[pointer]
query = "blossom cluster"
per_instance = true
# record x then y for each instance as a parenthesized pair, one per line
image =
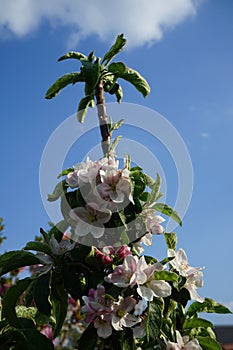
(103, 198)
(106, 202)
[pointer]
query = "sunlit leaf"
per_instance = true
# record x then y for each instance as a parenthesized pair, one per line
(83, 106)
(115, 49)
(165, 209)
(73, 54)
(171, 240)
(166, 276)
(154, 319)
(120, 70)
(91, 73)
(208, 343)
(63, 81)
(209, 306)
(197, 322)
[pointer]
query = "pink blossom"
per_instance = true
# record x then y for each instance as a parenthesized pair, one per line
(121, 316)
(193, 275)
(90, 220)
(115, 185)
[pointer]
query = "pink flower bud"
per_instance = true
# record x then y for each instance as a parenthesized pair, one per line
(123, 251)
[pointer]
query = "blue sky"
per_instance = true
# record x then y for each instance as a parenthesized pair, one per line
(184, 49)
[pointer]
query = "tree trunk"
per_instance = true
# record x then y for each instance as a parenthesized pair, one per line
(103, 119)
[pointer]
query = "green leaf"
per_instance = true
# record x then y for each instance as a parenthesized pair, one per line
(16, 259)
(117, 68)
(120, 70)
(59, 190)
(25, 312)
(165, 209)
(73, 54)
(127, 340)
(115, 49)
(209, 306)
(65, 172)
(10, 299)
(114, 143)
(38, 246)
(149, 181)
(119, 94)
(116, 125)
(12, 339)
(63, 81)
(171, 240)
(88, 338)
(166, 276)
(41, 294)
(75, 282)
(59, 298)
(208, 343)
(181, 296)
(36, 340)
(196, 322)
(154, 319)
(58, 230)
(91, 73)
(155, 192)
(82, 107)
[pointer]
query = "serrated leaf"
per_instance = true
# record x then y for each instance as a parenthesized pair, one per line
(171, 240)
(165, 209)
(63, 81)
(208, 343)
(59, 190)
(73, 54)
(41, 294)
(197, 322)
(38, 246)
(16, 259)
(83, 106)
(154, 319)
(115, 49)
(120, 70)
(209, 306)
(10, 299)
(166, 276)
